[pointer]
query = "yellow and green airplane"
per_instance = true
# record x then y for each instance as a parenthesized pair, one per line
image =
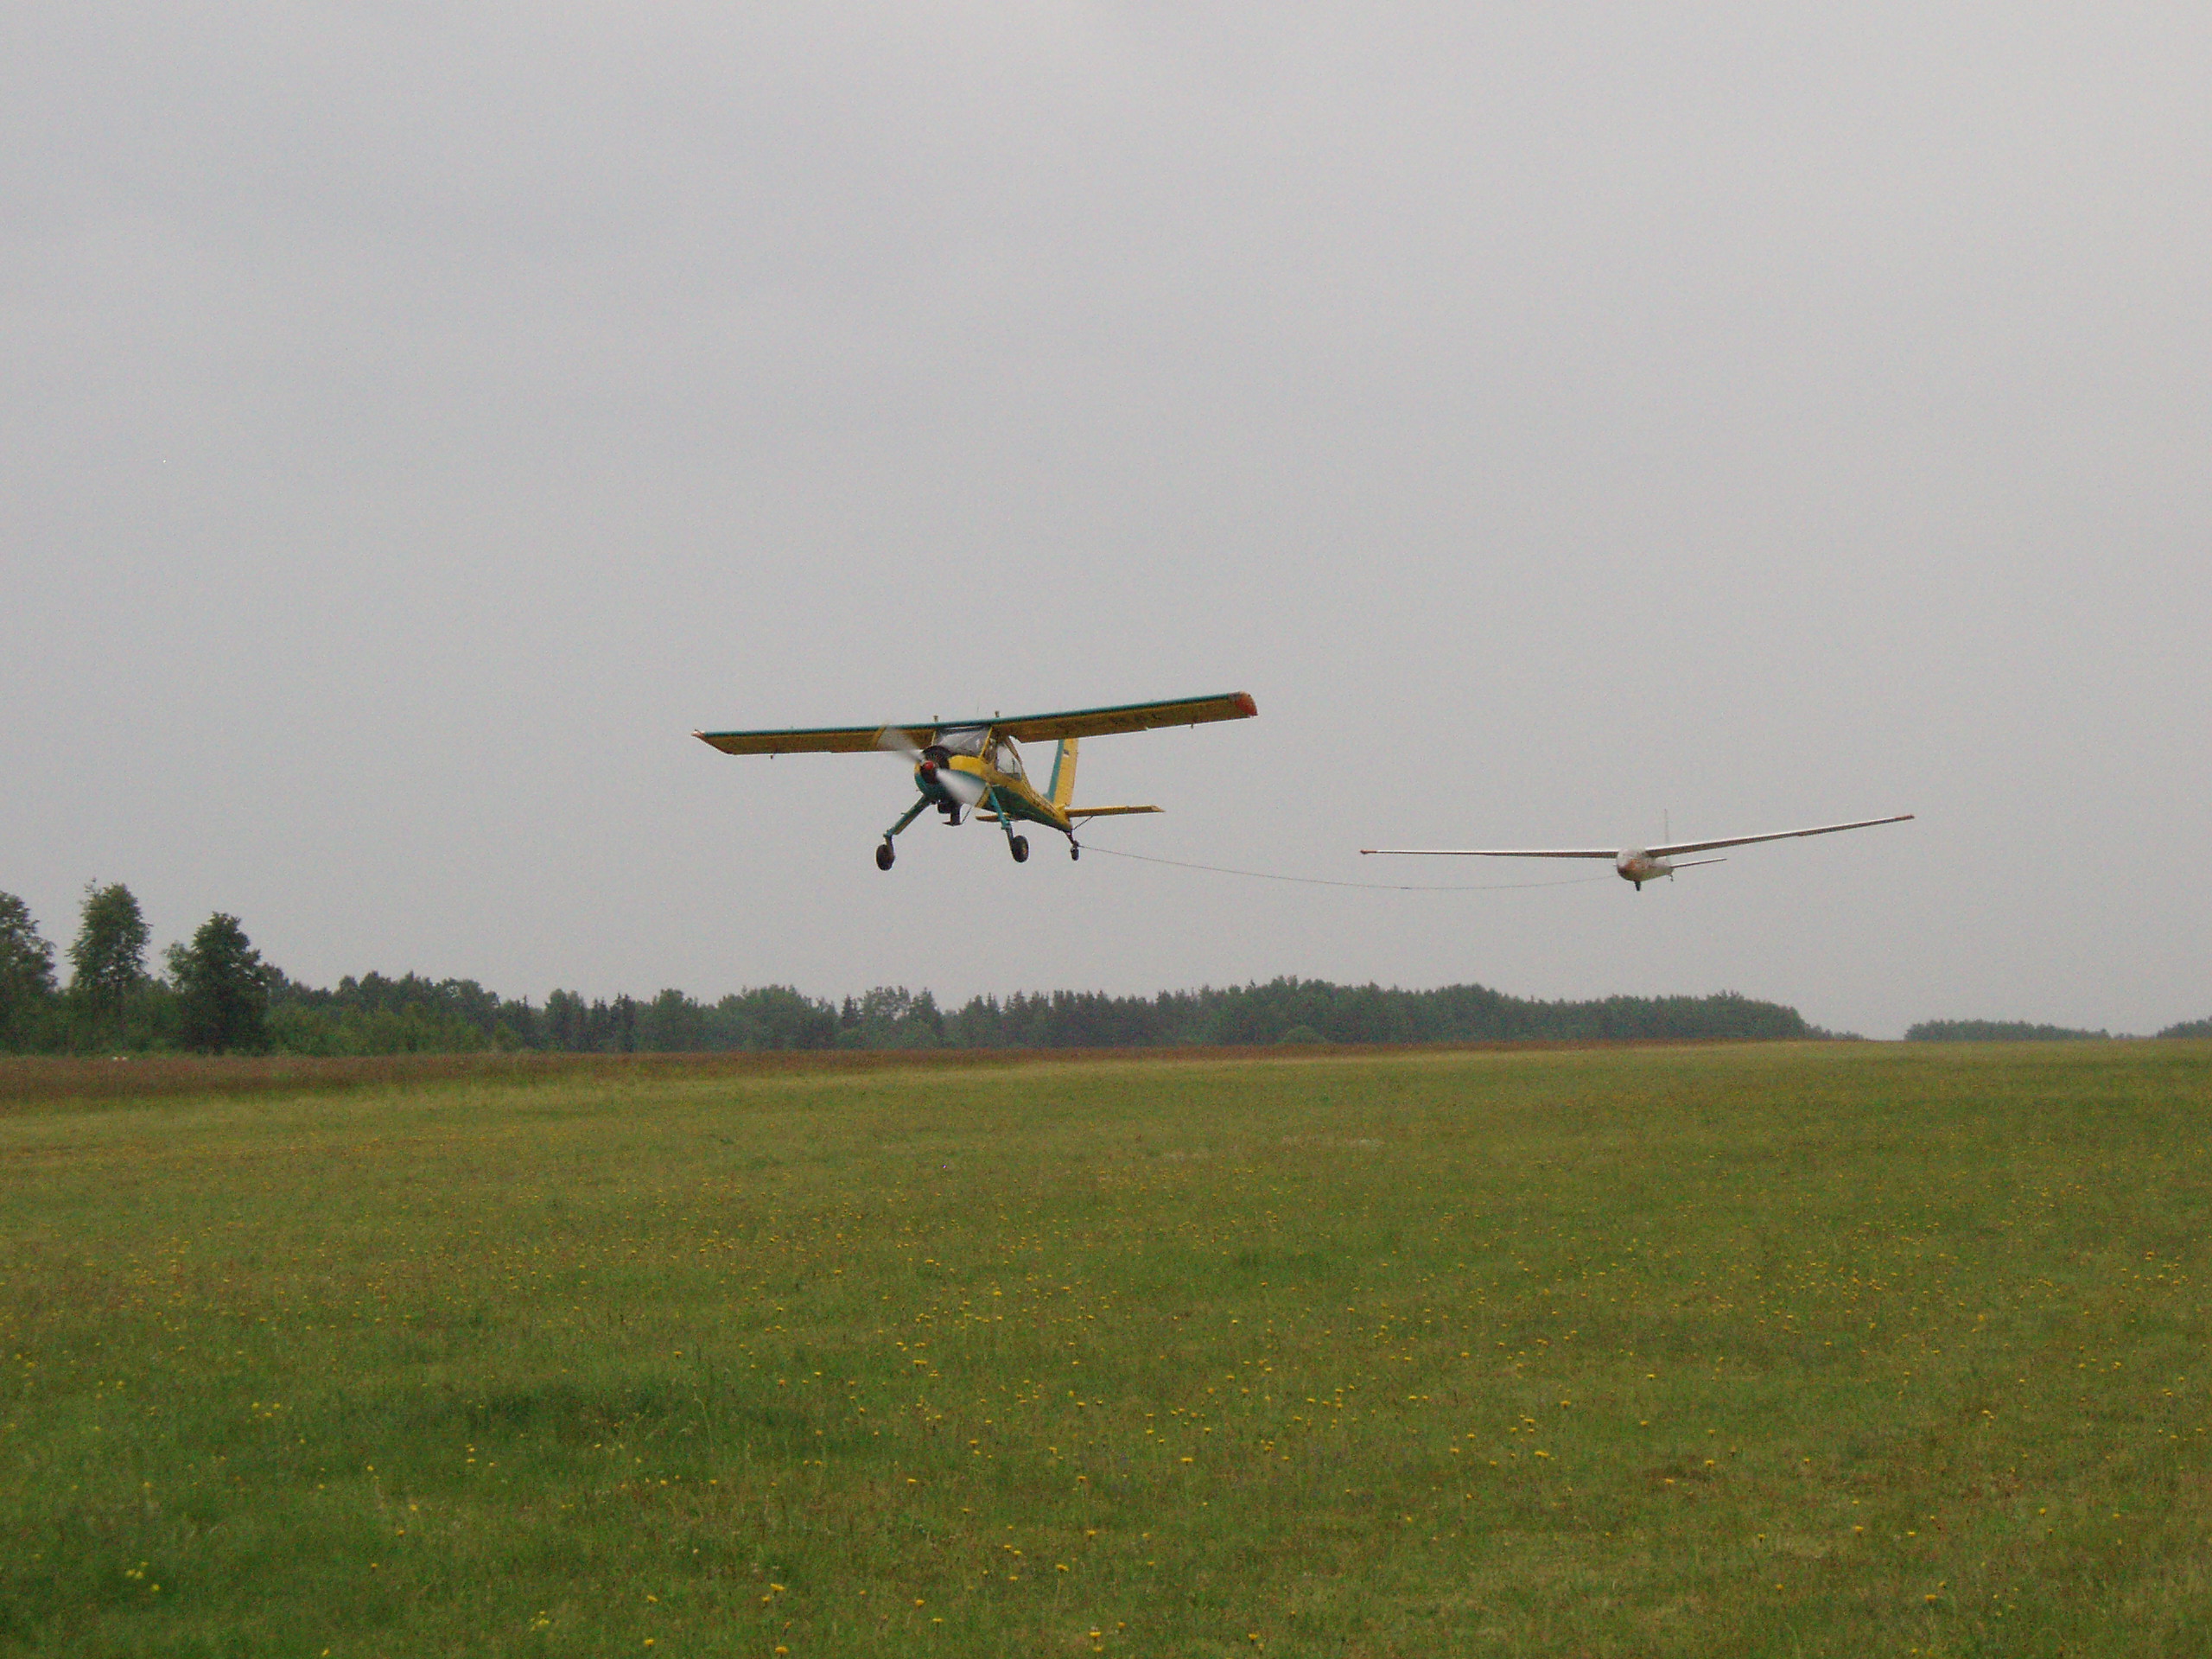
(974, 766)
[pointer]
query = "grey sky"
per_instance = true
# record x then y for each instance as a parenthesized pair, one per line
(415, 420)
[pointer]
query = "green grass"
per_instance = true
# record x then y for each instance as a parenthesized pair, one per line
(1821, 1349)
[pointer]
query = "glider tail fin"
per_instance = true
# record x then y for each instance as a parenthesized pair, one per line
(1062, 789)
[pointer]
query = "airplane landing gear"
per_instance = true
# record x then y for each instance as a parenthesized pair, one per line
(886, 854)
(1075, 850)
(1018, 846)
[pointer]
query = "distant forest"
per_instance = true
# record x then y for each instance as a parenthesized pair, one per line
(218, 995)
(2008, 1031)
(363, 1016)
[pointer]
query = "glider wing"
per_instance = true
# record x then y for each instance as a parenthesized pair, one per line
(1499, 852)
(1777, 835)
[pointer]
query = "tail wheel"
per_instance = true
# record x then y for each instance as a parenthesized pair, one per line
(1075, 850)
(885, 855)
(1019, 847)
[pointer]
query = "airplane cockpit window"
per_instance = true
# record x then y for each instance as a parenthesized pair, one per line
(962, 739)
(1007, 757)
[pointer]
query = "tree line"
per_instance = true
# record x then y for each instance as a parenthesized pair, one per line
(213, 999)
(2021, 1031)
(219, 997)
(2000, 1030)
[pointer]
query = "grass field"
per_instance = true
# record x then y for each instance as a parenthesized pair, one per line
(1820, 1349)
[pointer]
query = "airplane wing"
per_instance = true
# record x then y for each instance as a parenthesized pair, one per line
(1023, 729)
(1077, 812)
(810, 740)
(1499, 852)
(1125, 717)
(1776, 835)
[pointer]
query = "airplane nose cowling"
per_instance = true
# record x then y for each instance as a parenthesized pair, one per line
(941, 781)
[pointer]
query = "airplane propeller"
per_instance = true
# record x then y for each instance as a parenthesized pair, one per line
(893, 741)
(964, 787)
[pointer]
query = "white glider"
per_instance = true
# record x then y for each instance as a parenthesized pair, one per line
(1635, 864)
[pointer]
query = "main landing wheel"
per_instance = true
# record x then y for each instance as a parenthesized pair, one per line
(1019, 847)
(885, 857)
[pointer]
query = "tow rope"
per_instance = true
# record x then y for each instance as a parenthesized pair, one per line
(1324, 881)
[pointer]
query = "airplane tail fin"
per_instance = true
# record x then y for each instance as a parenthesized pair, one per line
(1062, 789)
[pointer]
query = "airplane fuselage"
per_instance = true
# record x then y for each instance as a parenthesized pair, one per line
(1004, 793)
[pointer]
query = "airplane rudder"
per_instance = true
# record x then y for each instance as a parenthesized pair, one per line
(1062, 790)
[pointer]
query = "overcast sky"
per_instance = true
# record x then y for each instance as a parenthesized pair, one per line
(415, 420)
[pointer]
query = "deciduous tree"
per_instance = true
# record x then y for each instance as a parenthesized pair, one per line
(222, 987)
(26, 975)
(109, 956)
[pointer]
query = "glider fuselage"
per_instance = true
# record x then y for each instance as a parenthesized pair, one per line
(1634, 864)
